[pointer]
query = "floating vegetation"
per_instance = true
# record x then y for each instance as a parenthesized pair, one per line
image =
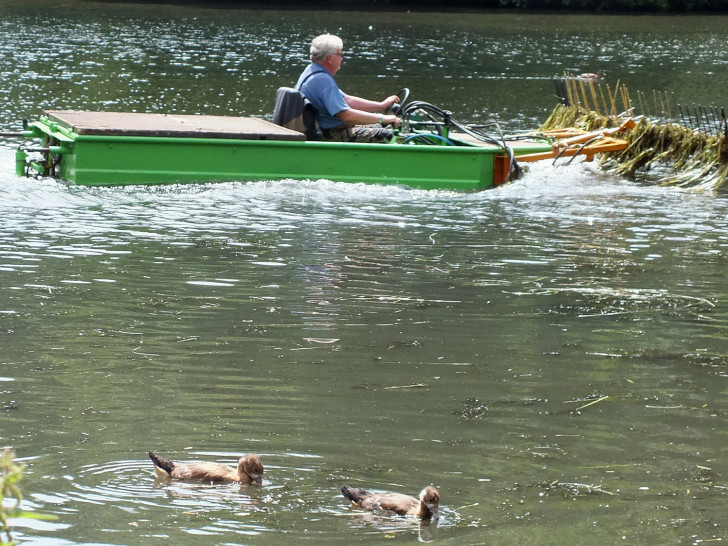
(571, 489)
(706, 359)
(584, 406)
(413, 386)
(586, 402)
(695, 156)
(475, 408)
(588, 302)
(694, 159)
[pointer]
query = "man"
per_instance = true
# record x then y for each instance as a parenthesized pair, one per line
(341, 116)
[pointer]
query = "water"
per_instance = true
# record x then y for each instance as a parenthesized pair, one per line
(549, 354)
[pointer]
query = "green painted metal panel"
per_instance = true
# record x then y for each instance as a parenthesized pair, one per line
(124, 160)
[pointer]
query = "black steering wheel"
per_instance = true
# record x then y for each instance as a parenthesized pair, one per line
(403, 97)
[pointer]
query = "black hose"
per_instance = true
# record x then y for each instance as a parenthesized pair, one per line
(514, 169)
(432, 113)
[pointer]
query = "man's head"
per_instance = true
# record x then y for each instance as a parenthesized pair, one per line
(326, 50)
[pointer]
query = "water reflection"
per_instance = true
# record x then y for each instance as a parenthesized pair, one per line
(391, 526)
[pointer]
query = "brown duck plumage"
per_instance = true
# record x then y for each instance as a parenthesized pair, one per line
(426, 506)
(249, 470)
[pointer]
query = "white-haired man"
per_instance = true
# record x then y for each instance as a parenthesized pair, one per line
(342, 117)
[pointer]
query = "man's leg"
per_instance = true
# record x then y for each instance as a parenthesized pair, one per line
(358, 133)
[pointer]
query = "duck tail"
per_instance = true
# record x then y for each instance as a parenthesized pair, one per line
(354, 495)
(161, 462)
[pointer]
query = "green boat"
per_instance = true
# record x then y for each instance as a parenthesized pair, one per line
(118, 149)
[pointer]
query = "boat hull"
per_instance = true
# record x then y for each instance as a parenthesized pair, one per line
(117, 158)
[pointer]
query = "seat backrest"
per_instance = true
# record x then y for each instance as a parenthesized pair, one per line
(294, 111)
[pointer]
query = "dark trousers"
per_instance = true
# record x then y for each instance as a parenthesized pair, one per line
(358, 133)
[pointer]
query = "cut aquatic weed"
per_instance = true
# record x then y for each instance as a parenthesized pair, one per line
(689, 152)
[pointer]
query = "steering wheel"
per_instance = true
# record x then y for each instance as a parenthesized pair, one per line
(403, 97)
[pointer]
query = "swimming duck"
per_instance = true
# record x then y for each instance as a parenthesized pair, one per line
(591, 76)
(250, 470)
(404, 505)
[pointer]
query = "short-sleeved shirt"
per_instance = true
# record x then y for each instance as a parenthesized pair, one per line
(324, 94)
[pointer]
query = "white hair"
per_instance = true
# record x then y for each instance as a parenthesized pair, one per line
(325, 45)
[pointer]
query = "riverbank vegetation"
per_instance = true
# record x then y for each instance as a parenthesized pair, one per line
(586, 6)
(11, 472)
(583, 6)
(606, 6)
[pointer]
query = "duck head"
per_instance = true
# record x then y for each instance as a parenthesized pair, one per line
(430, 497)
(250, 466)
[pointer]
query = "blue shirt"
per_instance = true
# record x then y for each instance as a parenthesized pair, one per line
(324, 94)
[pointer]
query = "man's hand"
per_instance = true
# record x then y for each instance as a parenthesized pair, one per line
(392, 120)
(389, 101)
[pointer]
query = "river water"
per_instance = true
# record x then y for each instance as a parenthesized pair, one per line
(550, 355)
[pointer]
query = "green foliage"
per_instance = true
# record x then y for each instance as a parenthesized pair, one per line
(645, 6)
(664, 6)
(10, 474)
(603, 6)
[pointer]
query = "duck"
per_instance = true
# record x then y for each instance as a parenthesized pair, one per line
(249, 470)
(426, 507)
(592, 76)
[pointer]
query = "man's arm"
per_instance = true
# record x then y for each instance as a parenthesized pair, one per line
(369, 105)
(353, 116)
